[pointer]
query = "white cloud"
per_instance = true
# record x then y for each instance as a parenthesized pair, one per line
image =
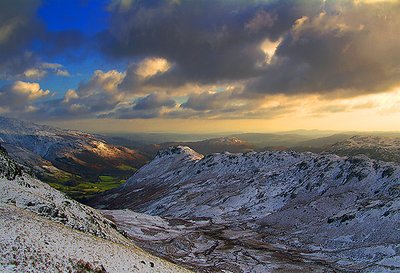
(35, 73)
(269, 48)
(70, 95)
(43, 69)
(21, 96)
(62, 72)
(150, 67)
(31, 90)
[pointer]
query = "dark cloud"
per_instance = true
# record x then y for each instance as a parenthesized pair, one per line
(344, 47)
(150, 106)
(18, 27)
(348, 50)
(26, 41)
(154, 101)
(208, 40)
(160, 105)
(334, 49)
(210, 101)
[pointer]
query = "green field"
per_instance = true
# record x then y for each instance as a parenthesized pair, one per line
(79, 189)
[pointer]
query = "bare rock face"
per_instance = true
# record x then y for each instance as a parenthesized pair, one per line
(267, 211)
(8, 168)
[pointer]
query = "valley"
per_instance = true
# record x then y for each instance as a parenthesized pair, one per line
(206, 136)
(241, 206)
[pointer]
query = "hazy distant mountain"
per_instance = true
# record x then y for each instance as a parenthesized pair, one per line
(272, 140)
(213, 145)
(260, 212)
(319, 144)
(376, 147)
(42, 230)
(155, 138)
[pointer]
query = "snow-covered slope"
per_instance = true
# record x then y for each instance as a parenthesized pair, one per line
(42, 230)
(44, 147)
(341, 213)
(376, 147)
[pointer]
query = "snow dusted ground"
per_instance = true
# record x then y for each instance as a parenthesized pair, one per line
(264, 212)
(376, 147)
(31, 243)
(208, 247)
(42, 230)
(52, 150)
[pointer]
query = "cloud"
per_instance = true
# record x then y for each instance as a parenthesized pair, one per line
(152, 66)
(31, 90)
(20, 96)
(140, 74)
(210, 101)
(214, 59)
(99, 93)
(260, 21)
(208, 41)
(43, 69)
(70, 95)
(151, 106)
(349, 49)
(18, 27)
(25, 41)
(276, 47)
(154, 101)
(34, 73)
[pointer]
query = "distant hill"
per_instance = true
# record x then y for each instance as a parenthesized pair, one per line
(270, 140)
(376, 147)
(213, 145)
(67, 157)
(319, 144)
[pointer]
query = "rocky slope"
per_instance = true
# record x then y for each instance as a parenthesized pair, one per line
(267, 211)
(376, 147)
(44, 231)
(207, 146)
(49, 149)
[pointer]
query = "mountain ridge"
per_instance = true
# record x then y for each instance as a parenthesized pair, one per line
(302, 201)
(70, 160)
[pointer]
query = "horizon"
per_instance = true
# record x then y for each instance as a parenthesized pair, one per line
(221, 133)
(207, 67)
(199, 135)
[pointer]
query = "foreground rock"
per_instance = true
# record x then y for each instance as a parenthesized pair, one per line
(44, 231)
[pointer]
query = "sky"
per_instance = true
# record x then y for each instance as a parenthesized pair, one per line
(201, 65)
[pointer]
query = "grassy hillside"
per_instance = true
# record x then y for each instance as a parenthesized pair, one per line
(80, 189)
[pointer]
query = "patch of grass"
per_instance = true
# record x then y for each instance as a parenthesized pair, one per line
(124, 167)
(81, 189)
(106, 178)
